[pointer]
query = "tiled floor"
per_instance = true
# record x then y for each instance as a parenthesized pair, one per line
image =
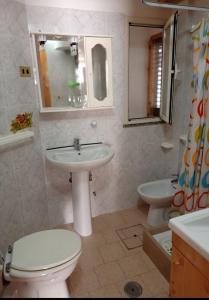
(132, 236)
(106, 264)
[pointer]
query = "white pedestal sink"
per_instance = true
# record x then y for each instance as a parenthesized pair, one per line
(80, 163)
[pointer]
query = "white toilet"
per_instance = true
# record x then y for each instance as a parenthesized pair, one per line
(38, 265)
(159, 195)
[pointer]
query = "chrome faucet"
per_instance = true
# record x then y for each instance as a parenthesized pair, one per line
(77, 145)
(175, 179)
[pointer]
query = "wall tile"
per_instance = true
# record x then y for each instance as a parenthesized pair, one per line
(23, 199)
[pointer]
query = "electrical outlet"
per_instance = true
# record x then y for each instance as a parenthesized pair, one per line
(25, 71)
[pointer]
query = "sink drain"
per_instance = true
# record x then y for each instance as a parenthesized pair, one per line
(133, 289)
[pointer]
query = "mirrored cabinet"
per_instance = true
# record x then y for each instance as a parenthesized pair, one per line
(72, 72)
(99, 71)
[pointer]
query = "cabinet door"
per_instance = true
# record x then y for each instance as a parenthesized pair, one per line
(196, 285)
(177, 274)
(186, 279)
(99, 71)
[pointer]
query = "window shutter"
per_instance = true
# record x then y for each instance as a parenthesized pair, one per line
(157, 65)
(155, 75)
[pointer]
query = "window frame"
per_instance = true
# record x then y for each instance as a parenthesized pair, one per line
(172, 23)
(143, 121)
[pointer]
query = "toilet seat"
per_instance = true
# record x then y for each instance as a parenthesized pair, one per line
(45, 250)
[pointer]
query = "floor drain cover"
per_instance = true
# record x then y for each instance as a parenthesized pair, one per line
(133, 289)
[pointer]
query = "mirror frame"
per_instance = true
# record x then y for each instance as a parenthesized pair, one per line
(32, 33)
(142, 121)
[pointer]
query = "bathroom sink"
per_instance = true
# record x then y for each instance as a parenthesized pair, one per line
(193, 228)
(87, 158)
(80, 161)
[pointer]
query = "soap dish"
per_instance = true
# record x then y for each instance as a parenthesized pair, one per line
(183, 139)
(167, 146)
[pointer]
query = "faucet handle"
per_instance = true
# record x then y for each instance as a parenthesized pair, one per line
(76, 140)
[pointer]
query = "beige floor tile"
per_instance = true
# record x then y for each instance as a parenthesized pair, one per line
(134, 265)
(100, 224)
(94, 241)
(110, 291)
(130, 252)
(109, 273)
(121, 234)
(156, 283)
(133, 217)
(110, 236)
(139, 251)
(90, 258)
(112, 252)
(82, 281)
(150, 265)
(82, 294)
(115, 220)
(162, 296)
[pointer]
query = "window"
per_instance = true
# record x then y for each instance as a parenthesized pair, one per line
(151, 72)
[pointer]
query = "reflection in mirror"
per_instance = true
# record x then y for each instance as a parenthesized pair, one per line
(62, 69)
(145, 71)
(99, 60)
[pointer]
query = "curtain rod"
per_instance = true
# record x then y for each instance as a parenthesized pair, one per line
(137, 24)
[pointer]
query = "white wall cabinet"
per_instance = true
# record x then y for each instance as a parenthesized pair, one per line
(99, 71)
(72, 72)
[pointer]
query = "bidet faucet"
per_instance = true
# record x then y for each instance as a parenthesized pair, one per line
(175, 179)
(77, 145)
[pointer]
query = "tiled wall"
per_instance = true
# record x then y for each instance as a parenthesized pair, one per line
(138, 155)
(23, 201)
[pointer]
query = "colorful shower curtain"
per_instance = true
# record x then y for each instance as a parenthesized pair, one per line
(193, 186)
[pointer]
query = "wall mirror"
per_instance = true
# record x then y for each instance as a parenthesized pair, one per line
(151, 70)
(72, 72)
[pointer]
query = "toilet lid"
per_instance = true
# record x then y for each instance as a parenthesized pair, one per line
(45, 250)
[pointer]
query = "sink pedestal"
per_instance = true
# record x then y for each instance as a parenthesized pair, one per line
(81, 203)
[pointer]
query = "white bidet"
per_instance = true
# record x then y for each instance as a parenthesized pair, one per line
(159, 195)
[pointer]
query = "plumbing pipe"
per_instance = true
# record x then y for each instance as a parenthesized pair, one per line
(1, 261)
(1, 257)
